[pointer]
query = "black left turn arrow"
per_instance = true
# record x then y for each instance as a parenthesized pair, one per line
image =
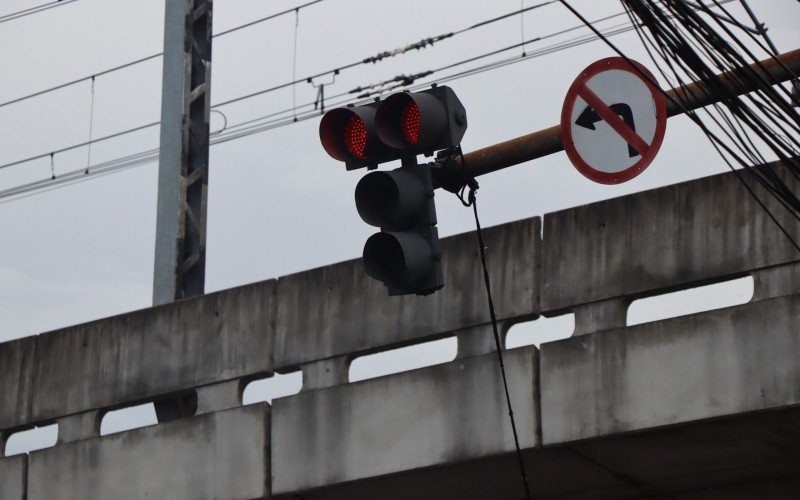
(589, 117)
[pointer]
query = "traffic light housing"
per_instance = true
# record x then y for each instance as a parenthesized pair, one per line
(405, 255)
(348, 135)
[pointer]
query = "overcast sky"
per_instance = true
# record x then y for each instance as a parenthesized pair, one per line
(277, 203)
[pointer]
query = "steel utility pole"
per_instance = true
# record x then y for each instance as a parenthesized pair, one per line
(456, 173)
(180, 254)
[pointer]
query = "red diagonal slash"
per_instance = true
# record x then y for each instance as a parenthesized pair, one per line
(616, 123)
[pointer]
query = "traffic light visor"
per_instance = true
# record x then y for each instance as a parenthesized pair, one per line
(411, 121)
(398, 259)
(348, 135)
(391, 199)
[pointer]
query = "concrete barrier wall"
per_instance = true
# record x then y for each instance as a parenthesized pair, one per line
(338, 309)
(222, 455)
(724, 362)
(16, 363)
(432, 416)
(12, 477)
(174, 347)
(606, 254)
(700, 230)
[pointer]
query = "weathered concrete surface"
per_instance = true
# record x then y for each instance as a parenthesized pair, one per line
(16, 363)
(156, 351)
(338, 309)
(750, 447)
(712, 364)
(12, 477)
(428, 417)
(221, 455)
(698, 230)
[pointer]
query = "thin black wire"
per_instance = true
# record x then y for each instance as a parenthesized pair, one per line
(768, 177)
(739, 111)
(473, 201)
(33, 10)
(753, 153)
(294, 58)
(760, 27)
(267, 18)
(147, 58)
(414, 46)
(91, 128)
(220, 104)
(251, 127)
(372, 59)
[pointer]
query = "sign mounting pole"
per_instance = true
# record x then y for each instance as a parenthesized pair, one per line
(180, 253)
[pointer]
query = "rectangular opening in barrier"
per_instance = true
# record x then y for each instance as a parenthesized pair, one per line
(540, 330)
(30, 440)
(690, 301)
(277, 386)
(125, 419)
(403, 359)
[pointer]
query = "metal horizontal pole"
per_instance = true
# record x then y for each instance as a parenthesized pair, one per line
(454, 174)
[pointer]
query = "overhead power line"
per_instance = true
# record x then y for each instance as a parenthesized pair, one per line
(287, 117)
(33, 10)
(287, 84)
(421, 44)
(146, 58)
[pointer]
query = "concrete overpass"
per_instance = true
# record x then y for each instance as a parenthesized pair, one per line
(699, 406)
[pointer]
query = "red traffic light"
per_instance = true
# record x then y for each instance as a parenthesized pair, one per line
(348, 135)
(422, 122)
(411, 121)
(355, 137)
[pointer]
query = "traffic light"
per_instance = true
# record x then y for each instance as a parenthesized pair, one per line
(348, 135)
(405, 254)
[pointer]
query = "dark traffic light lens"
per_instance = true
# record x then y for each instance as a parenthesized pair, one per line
(409, 122)
(355, 137)
(397, 259)
(391, 199)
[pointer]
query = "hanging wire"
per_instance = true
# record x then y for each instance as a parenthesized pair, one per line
(294, 61)
(473, 185)
(34, 10)
(760, 27)
(546, 50)
(52, 167)
(274, 120)
(522, 24)
(91, 127)
(146, 58)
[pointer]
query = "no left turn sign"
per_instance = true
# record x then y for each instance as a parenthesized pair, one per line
(613, 120)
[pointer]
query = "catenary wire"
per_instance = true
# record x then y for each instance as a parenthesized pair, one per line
(34, 10)
(151, 56)
(587, 39)
(233, 132)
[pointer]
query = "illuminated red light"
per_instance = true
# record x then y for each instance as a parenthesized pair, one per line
(409, 122)
(355, 137)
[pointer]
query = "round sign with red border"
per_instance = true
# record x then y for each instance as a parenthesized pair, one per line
(613, 120)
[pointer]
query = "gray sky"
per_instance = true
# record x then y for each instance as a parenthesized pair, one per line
(277, 203)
